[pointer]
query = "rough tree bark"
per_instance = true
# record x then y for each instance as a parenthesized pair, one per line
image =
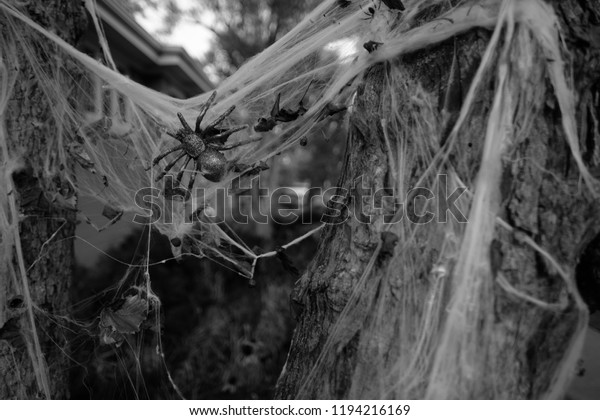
(534, 200)
(46, 230)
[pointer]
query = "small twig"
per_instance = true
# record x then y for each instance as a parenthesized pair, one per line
(294, 242)
(284, 247)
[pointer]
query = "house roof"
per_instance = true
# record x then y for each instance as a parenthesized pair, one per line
(135, 49)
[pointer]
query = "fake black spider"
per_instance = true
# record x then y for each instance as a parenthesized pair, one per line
(204, 146)
(370, 13)
(281, 115)
(371, 46)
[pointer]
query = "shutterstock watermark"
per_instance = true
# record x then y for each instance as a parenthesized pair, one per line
(290, 205)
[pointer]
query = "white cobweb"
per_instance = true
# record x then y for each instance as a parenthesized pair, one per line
(116, 127)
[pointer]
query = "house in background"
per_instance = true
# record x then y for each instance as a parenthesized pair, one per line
(167, 69)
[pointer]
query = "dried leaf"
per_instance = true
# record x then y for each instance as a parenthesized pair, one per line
(112, 213)
(81, 157)
(126, 320)
(240, 167)
(258, 168)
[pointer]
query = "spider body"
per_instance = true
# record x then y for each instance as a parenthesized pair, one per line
(371, 46)
(370, 13)
(203, 146)
(193, 145)
(265, 124)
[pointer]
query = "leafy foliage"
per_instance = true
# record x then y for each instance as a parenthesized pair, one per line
(114, 323)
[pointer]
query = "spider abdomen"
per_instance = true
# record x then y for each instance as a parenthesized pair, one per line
(213, 164)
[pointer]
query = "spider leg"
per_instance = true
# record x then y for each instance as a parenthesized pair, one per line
(169, 166)
(173, 189)
(193, 176)
(204, 109)
(275, 109)
(369, 15)
(166, 152)
(182, 170)
(173, 134)
(227, 133)
(238, 144)
(184, 123)
(305, 92)
(219, 119)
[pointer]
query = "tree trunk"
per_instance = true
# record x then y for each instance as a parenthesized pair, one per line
(362, 301)
(35, 282)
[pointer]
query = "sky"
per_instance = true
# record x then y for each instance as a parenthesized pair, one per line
(194, 37)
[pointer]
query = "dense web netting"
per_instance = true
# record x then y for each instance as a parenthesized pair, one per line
(118, 127)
